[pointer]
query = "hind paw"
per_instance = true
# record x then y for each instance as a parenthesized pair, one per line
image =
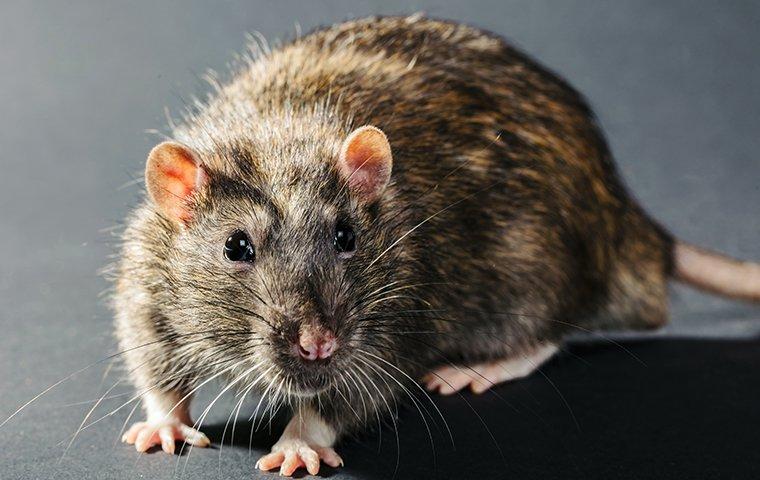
(480, 377)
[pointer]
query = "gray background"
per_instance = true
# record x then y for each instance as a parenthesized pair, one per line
(675, 84)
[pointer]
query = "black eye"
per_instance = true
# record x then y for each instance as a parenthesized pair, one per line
(345, 239)
(238, 247)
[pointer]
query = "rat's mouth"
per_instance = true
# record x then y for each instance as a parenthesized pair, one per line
(309, 387)
(307, 382)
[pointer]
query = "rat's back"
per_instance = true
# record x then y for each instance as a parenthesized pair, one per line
(543, 210)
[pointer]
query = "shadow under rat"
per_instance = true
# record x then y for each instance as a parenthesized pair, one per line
(597, 410)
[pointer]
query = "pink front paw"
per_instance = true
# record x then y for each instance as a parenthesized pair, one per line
(145, 435)
(292, 454)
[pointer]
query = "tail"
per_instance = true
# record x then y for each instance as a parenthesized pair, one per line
(716, 273)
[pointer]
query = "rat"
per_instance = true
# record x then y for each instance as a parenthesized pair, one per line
(378, 202)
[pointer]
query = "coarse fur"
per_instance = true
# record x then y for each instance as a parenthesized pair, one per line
(504, 226)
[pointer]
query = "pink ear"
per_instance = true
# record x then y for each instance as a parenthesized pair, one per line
(366, 161)
(172, 175)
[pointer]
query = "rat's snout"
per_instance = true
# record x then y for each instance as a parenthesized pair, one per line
(315, 344)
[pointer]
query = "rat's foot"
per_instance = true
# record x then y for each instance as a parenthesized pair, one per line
(305, 442)
(292, 454)
(481, 377)
(144, 435)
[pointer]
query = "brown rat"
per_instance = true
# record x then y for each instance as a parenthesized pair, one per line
(301, 253)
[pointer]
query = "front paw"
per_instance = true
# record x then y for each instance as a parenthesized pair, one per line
(292, 454)
(145, 435)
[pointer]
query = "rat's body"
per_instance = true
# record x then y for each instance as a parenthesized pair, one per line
(503, 227)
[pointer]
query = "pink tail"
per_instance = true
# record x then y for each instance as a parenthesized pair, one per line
(717, 273)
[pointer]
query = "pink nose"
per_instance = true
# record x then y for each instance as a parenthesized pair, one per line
(312, 347)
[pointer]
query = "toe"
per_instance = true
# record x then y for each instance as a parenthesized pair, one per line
(432, 383)
(454, 383)
(131, 434)
(480, 385)
(166, 434)
(270, 461)
(330, 457)
(447, 380)
(310, 459)
(290, 465)
(145, 439)
(194, 437)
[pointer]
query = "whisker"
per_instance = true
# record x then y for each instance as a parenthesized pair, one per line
(92, 409)
(202, 417)
(414, 382)
(392, 414)
(338, 390)
(140, 394)
(430, 217)
(474, 411)
(87, 367)
(126, 422)
(224, 431)
(415, 401)
(256, 411)
(361, 397)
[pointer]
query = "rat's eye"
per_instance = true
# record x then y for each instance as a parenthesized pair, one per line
(345, 239)
(238, 247)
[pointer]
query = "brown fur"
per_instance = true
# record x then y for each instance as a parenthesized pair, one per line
(521, 230)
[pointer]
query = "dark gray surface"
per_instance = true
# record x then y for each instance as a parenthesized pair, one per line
(676, 85)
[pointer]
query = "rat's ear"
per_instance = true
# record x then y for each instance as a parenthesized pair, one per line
(366, 161)
(172, 174)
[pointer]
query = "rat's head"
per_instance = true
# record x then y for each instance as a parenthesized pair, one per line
(283, 253)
